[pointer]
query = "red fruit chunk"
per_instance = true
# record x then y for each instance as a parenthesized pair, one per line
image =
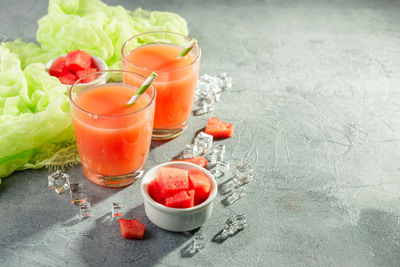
(182, 200)
(82, 73)
(219, 129)
(201, 184)
(78, 60)
(68, 78)
(172, 180)
(197, 160)
(155, 191)
(131, 229)
(58, 67)
(93, 63)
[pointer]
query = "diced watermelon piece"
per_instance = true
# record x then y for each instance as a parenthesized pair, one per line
(219, 129)
(172, 180)
(93, 63)
(82, 73)
(183, 199)
(131, 229)
(154, 191)
(78, 60)
(201, 184)
(68, 78)
(201, 161)
(58, 67)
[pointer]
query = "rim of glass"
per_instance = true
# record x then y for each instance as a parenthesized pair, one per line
(154, 32)
(102, 73)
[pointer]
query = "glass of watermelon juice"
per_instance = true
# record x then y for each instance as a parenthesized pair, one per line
(177, 77)
(113, 139)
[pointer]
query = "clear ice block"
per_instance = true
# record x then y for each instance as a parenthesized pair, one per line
(58, 181)
(78, 193)
(85, 209)
(233, 225)
(237, 193)
(241, 221)
(220, 169)
(199, 241)
(217, 154)
(191, 151)
(117, 210)
(203, 142)
(243, 173)
(206, 108)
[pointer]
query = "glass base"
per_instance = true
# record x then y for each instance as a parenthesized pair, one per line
(113, 180)
(166, 134)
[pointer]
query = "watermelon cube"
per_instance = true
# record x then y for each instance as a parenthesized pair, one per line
(68, 78)
(58, 67)
(201, 161)
(182, 200)
(172, 180)
(154, 191)
(219, 129)
(82, 73)
(131, 229)
(199, 182)
(78, 60)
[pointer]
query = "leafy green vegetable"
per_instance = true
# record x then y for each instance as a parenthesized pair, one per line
(99, 29)
(35, 123)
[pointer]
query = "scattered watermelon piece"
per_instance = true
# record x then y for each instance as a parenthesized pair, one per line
(68, 78)
(201, 184)
(201, 161)
(82, 73)
(219, 129)
(183, 199)
(58, 67)
(172, 180)
(78, 60)
(131, 229)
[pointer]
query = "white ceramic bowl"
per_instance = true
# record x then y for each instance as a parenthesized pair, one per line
(174, 219)
(101, 65)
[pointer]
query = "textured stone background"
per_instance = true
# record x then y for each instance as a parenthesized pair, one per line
(316, 94)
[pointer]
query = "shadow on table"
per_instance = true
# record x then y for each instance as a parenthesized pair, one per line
(105, 245)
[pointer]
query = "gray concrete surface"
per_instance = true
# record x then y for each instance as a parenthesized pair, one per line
(316, 91)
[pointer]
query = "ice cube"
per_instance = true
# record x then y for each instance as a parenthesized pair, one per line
(233, 225)
(78, 193)
(243, 173)
(58, 181)
(117, 209)
(199, 241)
(226, 81)
(241, 221)
(206, 108)
(85, 209)
(237, 193)
(203, 142)
(217, 153)
(230, 228)
(191, 151)
(220, 169)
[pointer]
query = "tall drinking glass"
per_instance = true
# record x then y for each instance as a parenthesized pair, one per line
(113, 139)
(177, 77)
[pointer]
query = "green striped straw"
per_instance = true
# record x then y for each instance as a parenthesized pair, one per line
(142, 89)
(187, 49)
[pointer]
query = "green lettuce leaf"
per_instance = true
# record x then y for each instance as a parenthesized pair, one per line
(35, 121)
(99, 29)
